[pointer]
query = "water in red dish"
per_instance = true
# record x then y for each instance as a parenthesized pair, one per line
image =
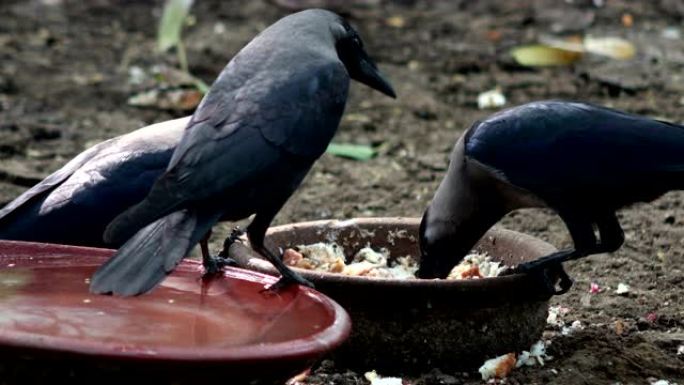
(52, 299)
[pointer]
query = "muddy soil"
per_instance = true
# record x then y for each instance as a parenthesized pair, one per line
(68, 67)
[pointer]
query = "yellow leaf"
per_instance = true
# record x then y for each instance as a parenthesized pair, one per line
(396, 21)
(540, 55)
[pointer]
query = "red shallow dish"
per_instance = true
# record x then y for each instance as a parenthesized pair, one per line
(185, 331)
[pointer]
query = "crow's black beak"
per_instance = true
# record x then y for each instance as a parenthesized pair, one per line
(370, 75)
(361, 67)
(430, 265)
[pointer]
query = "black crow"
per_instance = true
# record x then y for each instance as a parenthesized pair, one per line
(75, 204)
(269, 115)
(581, 160)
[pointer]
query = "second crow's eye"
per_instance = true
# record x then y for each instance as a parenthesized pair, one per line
(357, 41)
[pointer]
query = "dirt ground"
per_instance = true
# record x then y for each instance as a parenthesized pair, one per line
(65, 77)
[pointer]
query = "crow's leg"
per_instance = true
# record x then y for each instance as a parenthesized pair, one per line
(549, 268)
(256, 231)
(234, 236)
(612, 236)
(213, 265)
(611, 239)
(583, 237)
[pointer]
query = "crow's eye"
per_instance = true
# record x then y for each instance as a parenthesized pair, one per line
(357, 41)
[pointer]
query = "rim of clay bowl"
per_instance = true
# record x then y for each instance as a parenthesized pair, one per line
(316, 344)
(249, 259)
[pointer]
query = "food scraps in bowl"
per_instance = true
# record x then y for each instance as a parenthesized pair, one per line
(368, 262)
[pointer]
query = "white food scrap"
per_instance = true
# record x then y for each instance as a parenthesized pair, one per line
(622, 288)
(556, 314)
(405, 268)
(371, 256)
(680, 350)
(499, 367)
(536, 355)
(374, 379)
(491, 99)
(368, 262)
(476, 266)
(662, 382)
(574, 326)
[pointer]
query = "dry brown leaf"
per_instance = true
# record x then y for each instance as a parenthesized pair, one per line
(494, 35)
(177, 99)
(613, 47)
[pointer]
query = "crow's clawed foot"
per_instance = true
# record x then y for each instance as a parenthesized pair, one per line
(234, 236)
(288, 277)
(286, 281)
(214, 265)
(551, 275)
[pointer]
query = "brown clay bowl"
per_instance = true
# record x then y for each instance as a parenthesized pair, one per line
(406, 326)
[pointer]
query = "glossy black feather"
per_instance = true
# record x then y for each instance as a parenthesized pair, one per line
(571, 152)
(76, 203)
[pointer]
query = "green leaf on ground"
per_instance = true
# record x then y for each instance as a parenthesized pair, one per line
(352, 151)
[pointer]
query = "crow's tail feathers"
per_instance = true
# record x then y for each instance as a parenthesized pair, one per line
(152, 253)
